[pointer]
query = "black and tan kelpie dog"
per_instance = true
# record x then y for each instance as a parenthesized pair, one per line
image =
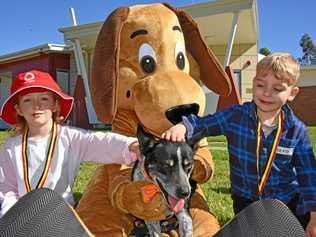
(169, 166)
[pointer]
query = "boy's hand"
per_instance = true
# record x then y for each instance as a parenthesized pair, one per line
(175, 133)
(311, 227)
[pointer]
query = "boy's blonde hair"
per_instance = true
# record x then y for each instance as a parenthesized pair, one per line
(283, 65)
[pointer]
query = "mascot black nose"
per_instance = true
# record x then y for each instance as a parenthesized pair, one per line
(183, 192)
(174, 114)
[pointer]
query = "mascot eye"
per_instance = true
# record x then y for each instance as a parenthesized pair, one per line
(147, 58)
(179, 55)
(148, 64)
(180, 61)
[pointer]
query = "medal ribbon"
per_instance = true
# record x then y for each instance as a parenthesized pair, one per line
(266, 173)
(49, 157)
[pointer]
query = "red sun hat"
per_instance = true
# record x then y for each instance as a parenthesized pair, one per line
(30, 82)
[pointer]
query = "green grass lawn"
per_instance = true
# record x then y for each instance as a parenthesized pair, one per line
(217, 191)
(3, 135)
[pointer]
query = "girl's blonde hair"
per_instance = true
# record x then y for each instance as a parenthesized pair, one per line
(283, 65)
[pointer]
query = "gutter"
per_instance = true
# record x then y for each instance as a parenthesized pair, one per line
(44, 48)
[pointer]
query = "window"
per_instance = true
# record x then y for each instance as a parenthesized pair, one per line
(5, 85)
(237, 74)
(63, 80)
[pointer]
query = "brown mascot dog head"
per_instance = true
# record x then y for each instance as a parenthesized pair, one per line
(149, 64)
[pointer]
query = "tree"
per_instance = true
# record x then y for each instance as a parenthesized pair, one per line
(265, 51)
(309, 51)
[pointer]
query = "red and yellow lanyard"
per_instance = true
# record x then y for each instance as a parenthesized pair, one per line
(49, 157)
(262, 181)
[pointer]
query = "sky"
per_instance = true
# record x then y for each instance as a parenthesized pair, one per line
(25, 24)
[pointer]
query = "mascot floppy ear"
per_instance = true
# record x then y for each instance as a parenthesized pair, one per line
(212, 73)
(106, 66)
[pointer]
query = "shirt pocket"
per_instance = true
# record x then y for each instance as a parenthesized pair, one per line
(284, 152)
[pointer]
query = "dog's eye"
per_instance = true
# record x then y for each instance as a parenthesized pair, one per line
(188, 168)
(187, 164)
(179, 56)
(147, 58)
(170, 163)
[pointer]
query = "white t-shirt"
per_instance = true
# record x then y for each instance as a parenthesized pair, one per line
(73, 146)
(37, 151)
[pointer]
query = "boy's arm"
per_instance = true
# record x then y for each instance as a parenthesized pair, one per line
(214, 124)
(8, 183)
(305, 164)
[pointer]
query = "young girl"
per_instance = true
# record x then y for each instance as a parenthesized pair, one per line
(44, 153)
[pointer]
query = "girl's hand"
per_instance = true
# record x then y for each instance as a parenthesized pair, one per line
(175, 133)
(134, 151)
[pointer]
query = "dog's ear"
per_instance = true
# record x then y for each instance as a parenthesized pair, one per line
(146, 140)
(105, 66)
(194, 140)
(212, 73)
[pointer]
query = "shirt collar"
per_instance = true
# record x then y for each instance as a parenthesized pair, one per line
(288, 114)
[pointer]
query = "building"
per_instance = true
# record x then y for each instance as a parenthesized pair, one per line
(51, 58)
(304, 104)
(234, 41)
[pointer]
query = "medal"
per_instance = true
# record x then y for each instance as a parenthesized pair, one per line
(49, 158)
(262, 181)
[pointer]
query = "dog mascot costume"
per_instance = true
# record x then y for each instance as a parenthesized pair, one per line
(149, 59)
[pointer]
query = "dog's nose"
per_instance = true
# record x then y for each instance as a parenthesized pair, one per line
(183, 192)
(174, 114)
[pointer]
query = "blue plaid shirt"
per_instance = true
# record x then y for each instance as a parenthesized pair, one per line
(293, 169)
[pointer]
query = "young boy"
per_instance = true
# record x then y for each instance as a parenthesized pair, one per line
(270, 152)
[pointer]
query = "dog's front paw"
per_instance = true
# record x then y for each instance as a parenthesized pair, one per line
(185, 224)
(153, 228)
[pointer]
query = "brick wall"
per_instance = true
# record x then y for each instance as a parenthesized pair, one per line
(304, 105)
